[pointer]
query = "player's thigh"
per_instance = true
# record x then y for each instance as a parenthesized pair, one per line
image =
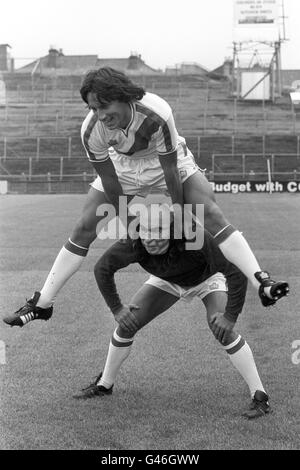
(197, 186)
(197, 190)
(94, 200)
(152, 301)
(92, 212)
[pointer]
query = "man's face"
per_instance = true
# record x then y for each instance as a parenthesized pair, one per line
(114, 115)
(156, 242)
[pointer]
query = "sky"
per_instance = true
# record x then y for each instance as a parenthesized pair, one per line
(163, 32)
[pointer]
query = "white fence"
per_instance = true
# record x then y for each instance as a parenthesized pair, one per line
(254, 165)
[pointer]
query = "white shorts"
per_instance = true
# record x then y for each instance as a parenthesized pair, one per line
(214, 283)
(143, 176)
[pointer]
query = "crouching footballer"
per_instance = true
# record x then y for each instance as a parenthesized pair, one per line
(176, 273)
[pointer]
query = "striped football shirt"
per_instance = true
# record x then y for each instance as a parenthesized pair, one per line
(151, 132)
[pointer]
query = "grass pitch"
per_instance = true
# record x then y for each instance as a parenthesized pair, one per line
(178, 389)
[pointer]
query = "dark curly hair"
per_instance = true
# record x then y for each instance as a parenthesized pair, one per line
(110, 85)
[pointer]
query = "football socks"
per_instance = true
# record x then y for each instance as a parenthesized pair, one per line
(65, 265)
(236, 249)
(119, 349)
(241, 357)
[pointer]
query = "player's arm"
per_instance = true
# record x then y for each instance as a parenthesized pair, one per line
(172, 177)
(236, 280)
(97, 152)
(222, 323)
(237, 288)
(166, 144)
(118, 256)
(112, 187)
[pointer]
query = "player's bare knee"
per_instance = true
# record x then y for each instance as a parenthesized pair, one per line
(124, 333)
(209, 322)
(229, 338)
(137, 324)
(84, 232)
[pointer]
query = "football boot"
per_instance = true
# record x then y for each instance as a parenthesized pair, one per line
(270, 291)
(93, 390)
(29, 312)
(259, 406)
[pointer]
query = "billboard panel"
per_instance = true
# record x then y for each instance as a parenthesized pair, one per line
(256, 20)
(295, 97)
(259, 92)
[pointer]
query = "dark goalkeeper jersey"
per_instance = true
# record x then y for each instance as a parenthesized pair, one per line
(186, 268)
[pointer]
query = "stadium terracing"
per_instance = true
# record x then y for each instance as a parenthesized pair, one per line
(41, 151)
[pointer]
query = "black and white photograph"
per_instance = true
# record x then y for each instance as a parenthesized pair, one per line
(149, 228)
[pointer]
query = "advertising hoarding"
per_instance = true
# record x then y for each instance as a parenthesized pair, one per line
(256, 20)
(261, 91)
